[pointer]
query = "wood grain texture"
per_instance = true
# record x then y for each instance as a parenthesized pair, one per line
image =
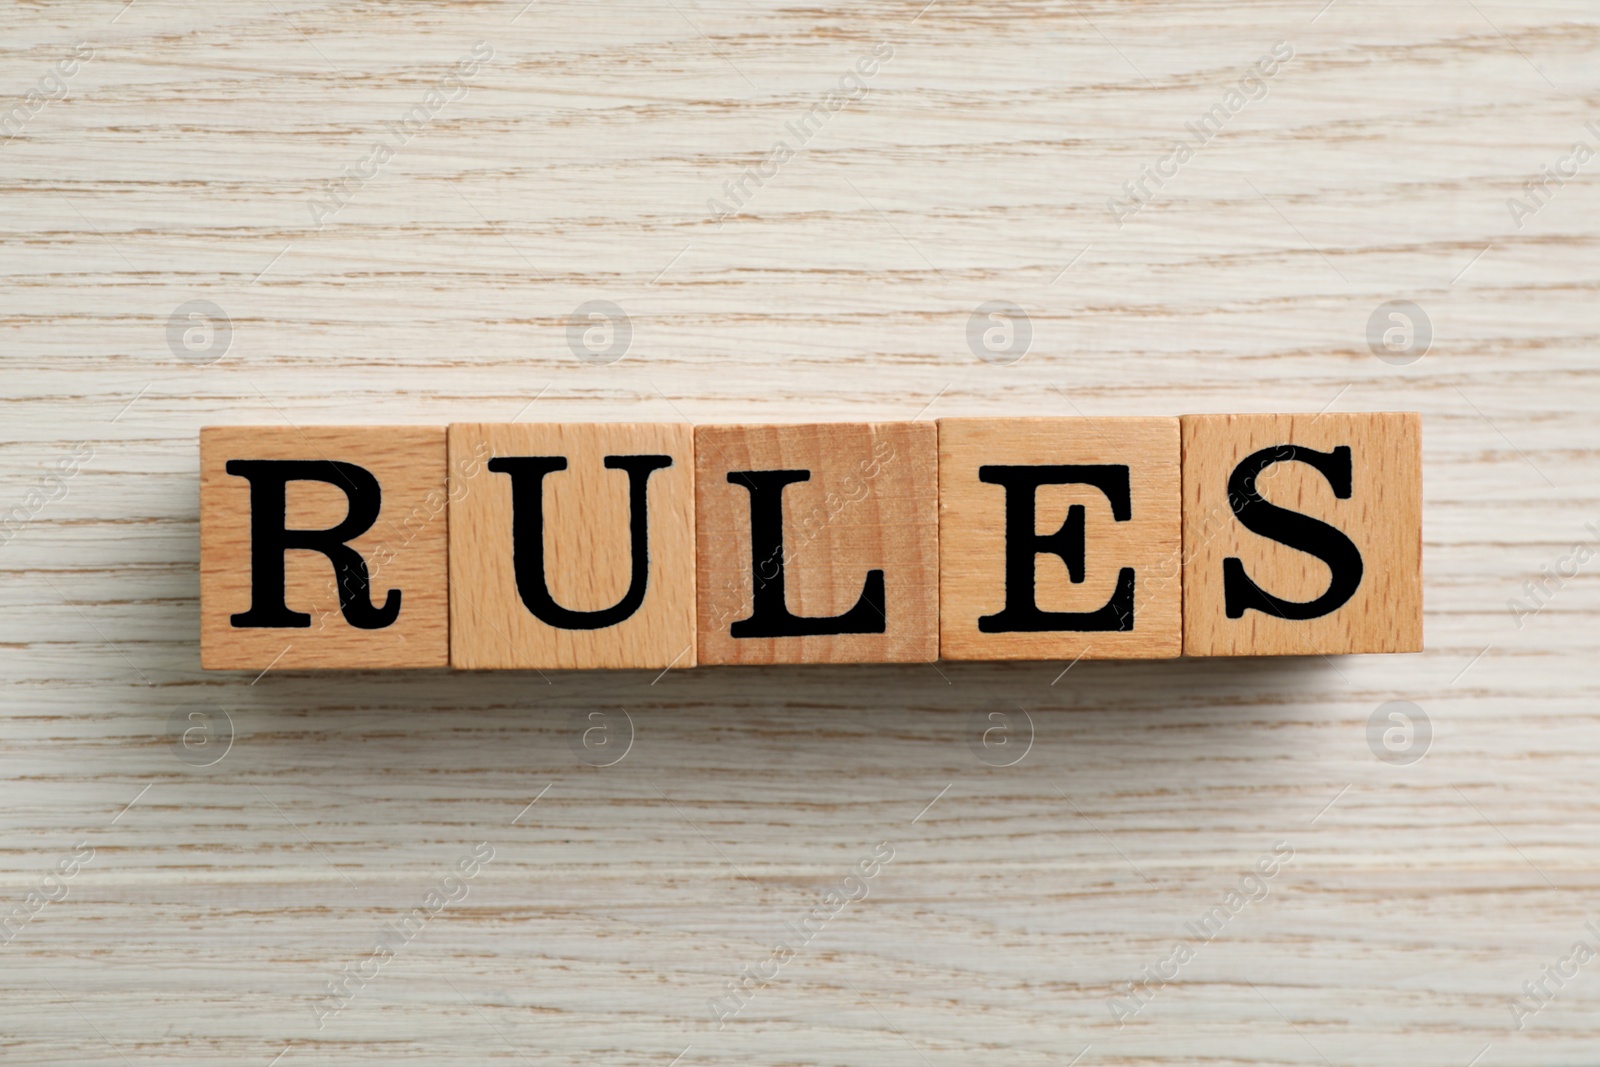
(1379, 515)
(1146, 540)
(858, 543)
(588, 563)
(221, 899)
(403, 549)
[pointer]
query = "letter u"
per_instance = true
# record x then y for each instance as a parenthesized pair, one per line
(527, 537)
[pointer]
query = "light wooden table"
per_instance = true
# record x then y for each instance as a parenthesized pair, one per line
(210, 905)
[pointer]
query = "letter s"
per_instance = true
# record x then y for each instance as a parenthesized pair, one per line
(1311, 536)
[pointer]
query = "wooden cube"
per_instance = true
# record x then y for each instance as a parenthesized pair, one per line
(323, 547)
(572, 546)
(818, 543)
(1302, 534)
(1060, 539)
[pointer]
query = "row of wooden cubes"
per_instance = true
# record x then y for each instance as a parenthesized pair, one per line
(610, 545)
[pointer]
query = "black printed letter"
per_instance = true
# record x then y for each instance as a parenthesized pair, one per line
(269, 540)
(769, 608)
(527, 537)
(1291, 528)
(1024, 545)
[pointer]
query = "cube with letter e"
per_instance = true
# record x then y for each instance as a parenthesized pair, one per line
(1059, 538)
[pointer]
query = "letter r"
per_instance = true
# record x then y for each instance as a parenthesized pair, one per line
(270, 539)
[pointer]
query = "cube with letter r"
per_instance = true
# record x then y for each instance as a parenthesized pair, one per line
(323, 547)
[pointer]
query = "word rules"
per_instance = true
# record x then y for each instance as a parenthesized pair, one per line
(643, 545)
